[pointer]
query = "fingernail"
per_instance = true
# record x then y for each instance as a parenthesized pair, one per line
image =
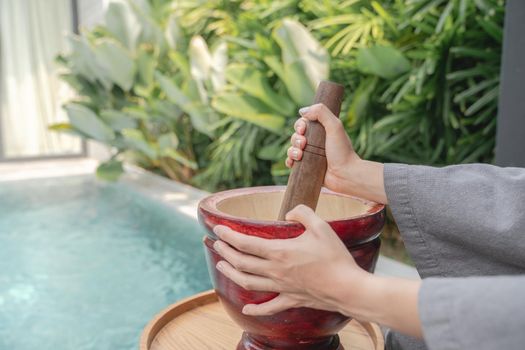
(295, 154)
(216, 246)
(219, 266)
(298, 142)
(303, 110)
(246, 310)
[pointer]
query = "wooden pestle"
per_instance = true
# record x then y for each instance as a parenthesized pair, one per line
(306, 179)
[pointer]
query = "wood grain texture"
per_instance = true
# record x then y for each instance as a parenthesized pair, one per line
(200, 323)
(307, 176)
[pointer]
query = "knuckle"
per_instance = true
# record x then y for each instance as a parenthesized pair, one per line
(238, 264)
(317, 108)
(245, 282)
(301, 207)
(319, 225)
(323, 108)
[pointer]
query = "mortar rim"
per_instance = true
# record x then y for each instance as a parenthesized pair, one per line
(210, 203)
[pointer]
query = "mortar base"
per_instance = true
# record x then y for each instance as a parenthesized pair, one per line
(251, 342)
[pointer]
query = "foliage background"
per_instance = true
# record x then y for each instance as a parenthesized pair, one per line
(206, 92)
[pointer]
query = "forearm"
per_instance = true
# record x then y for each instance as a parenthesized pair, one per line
(365, 180)
(392, 302)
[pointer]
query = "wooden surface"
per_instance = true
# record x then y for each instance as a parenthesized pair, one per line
(200, 323)
(307, 176)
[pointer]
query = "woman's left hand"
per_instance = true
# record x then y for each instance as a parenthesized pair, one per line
(312, 270)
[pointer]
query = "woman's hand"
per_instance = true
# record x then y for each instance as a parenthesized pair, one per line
(313, 270)
(346, 172)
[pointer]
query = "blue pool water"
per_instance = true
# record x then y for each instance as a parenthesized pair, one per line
(85, 264)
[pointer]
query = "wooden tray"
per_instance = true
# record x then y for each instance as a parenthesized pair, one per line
(181, 325)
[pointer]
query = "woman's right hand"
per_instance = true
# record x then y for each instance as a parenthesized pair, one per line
(346, 172)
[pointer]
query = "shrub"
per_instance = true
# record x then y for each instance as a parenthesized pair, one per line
(206, 92)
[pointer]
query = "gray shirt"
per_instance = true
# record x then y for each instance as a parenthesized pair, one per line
(464, 227)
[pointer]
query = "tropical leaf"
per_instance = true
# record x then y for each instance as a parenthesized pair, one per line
(86, 121)
(384, 61)
(110, 170)
(117, 63)
(122, 22)
(251, 81)
(118, 120)
(135, 140)
(249, 109)
(298, 45)
(202, 116)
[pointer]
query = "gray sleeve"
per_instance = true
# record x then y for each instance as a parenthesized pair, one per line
(482, 313)
(462, 220)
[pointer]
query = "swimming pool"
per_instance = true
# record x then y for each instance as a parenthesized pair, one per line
(86, 264)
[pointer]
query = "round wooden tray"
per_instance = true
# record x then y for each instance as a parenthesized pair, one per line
(199, 323)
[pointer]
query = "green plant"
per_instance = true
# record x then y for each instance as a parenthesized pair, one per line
(125, 101)
(206, 92)
(424, 77)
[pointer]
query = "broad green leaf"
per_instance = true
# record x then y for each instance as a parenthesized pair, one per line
(110, 170)
(249, 109)
(298, 44)
(384, 61)
(173, 33)
(116, 61)
(174, 154)
(168, 141)
(146, 64)
(276, 66)
(202, 117)
(219, 58)
(135, 139)
(123, 24)
(200, 58)
(151, 33)
(86, 121)
(271, 151)
(171, 90)
(83, 62)
(361, 100)
(118, 120)
(201, 65)
(252, 81)
(298, 85)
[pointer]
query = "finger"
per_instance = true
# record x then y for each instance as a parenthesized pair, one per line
(298, 141)
(300, 126)
(247, 244)
(246, 280)
(323, 115)
(294, 153)
(288, 162)
(307, 217)
(277, 304)
(240, 261)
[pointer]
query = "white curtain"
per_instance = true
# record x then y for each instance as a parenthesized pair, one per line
(32, 33)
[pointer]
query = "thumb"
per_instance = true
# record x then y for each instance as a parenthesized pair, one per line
(305, 216)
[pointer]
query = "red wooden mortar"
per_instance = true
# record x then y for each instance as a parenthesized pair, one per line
(252, 211)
